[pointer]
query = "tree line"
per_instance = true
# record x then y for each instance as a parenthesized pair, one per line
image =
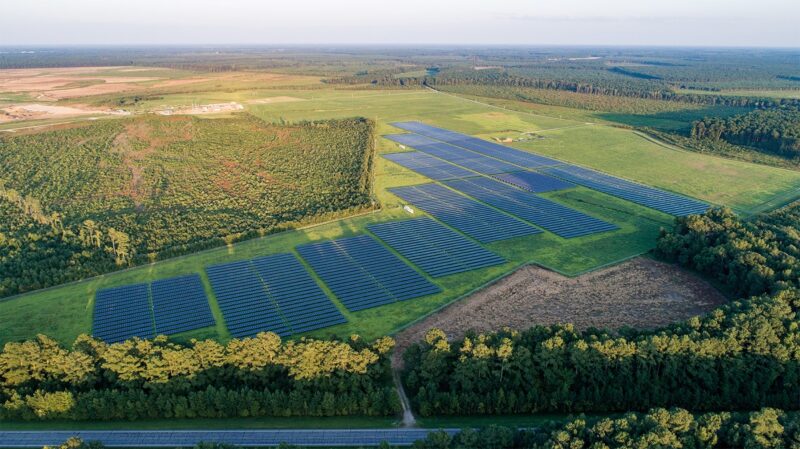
(749, 257)
(150, 379)
(744, 355)
(775, 131)
(576, 81)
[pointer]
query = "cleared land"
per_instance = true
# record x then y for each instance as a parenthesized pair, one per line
(640, 293)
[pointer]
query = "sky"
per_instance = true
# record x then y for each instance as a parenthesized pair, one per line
(749, 23)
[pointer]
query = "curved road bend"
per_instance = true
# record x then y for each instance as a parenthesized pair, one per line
(177, 438)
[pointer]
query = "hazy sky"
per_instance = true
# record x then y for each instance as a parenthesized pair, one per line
(570, 22)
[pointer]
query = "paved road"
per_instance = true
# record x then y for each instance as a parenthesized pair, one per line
(176, 438)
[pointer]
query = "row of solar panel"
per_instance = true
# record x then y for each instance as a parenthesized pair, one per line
(273, 293)
(556, 218)
(167, 306)
(434, 248)
(477, 220)
(491, 149)
(474, 161)
(362, 273)
(651, 197)
(427, 136)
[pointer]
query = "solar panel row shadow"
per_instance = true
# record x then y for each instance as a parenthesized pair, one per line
(300, 300)
(657, 199)
(556, 218)
(433, 247)
(428, 165)
(455, 155)
(123, 312)
(474, 219)
(180, 304)
(508, 154)
(364, 274)
(243, 299)
(534, 182)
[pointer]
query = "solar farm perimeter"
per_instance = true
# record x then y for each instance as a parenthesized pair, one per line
(480, 210)
(278, 294)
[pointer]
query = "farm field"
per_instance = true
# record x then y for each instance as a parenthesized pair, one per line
(64, 312)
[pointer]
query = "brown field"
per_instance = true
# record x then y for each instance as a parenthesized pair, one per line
(35, 111)
(640, 293)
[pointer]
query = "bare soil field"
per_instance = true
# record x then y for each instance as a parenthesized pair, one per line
(640, 293)
(35, 111)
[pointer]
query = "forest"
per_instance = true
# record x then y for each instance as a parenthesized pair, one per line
(774, 131)
(658, 428)
(148, 379)
(743, 355)
(748, 257)
(86, 200)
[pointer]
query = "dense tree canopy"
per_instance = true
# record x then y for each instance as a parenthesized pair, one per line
(132, 191)
(748, 257)
(742, 356)
(773, 131)
(137, 379)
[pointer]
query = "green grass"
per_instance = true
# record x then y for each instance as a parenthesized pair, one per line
(65, 312)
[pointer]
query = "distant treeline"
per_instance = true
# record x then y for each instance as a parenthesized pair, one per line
(136, 379)
(774, 131)
(497, 77)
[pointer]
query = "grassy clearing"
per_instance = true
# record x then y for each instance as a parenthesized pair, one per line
(740, 185)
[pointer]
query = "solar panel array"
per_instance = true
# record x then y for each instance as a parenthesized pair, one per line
(122, 313)
(508, 154)
(433, 247)
(534, 182)
(428, 165)
(180, 304)
(456, 155)
(300, 300)
(362, 273)
(477, 220)
(243, 299)
(271, 294)
(657, 199)
(556, 218)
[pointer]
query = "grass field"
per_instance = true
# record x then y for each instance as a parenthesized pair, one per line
(65, 312)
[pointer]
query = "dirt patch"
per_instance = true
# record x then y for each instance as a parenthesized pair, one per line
(271, 100)
(215, 108)
(640, 293)
(61, 83)
(43, 111)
